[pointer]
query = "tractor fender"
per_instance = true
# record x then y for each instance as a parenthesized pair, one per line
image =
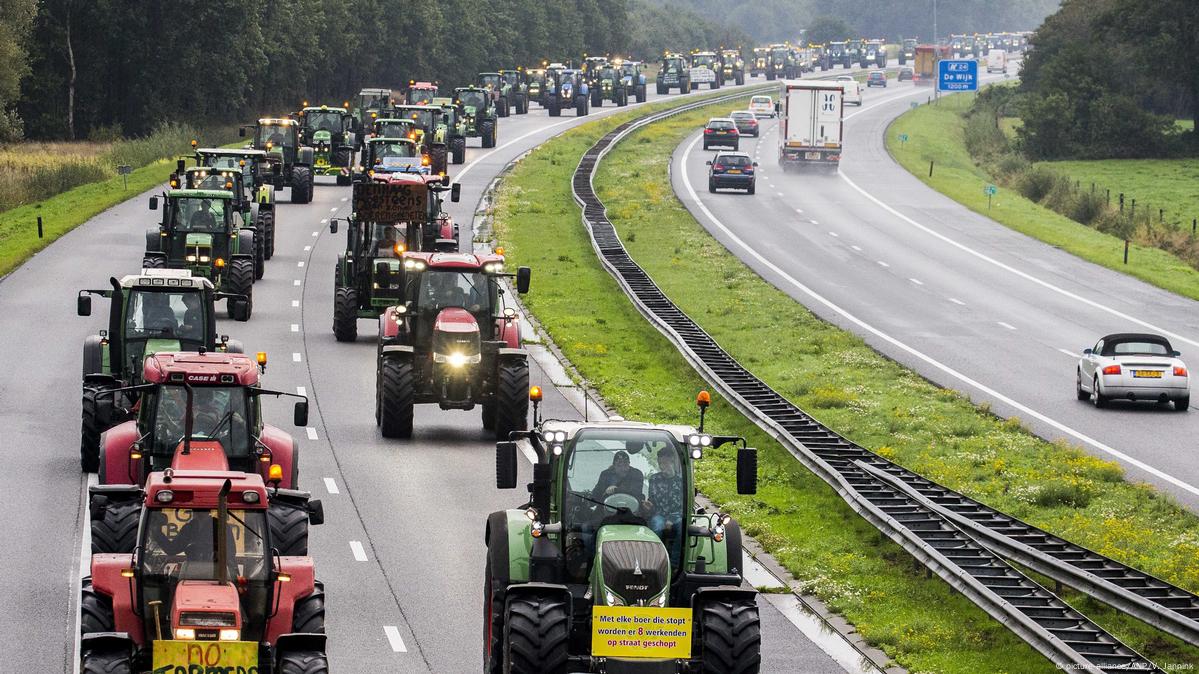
(300, 641)
(508, 331)
(109, 642)
(107, 581)
(304, 156)
(555, 589)
(153, 240)
(93, 357)
(511, 530)
(284, 452)
(507, 354)
(722, 592)
(389, 328)
(303, 583)
(396, 350)
(101, 379)
(115, 445)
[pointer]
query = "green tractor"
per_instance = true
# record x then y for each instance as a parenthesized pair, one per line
(258, 177)
(158, 310)
(607, 83)
(611, 565)
(280, 139)
(205, 178)
(202, 231)
(536, 79)
(493, 83)
(330, 134)
(431, 132)
(393, 213)
(732, 67)
(516, 90)
(907, 50)
(632, 79)
(478, 114)
(674, 72)
(369, 105)
(455, 129)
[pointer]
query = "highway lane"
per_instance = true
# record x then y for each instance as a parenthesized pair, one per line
(401, 552)
(963, 300)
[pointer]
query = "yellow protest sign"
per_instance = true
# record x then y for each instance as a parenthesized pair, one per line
(190, 657)
(640, 632)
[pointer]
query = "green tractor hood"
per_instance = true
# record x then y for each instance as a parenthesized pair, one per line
(322, 136)
(632, 567)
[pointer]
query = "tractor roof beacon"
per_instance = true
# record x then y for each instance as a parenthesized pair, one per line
(207, 570)
(158, 310)
(611, 537)
(452, 339)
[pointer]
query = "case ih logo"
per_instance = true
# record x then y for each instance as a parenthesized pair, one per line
(203, 378)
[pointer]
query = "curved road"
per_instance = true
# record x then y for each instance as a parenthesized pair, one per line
(963, 300)
(401, 553)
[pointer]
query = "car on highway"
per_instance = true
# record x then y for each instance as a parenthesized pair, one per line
(1133, 366)
(731, 169)
(852, 90)
(876, 78)
(721, 131)
(905, 75)
(762, 106)
(747, 123)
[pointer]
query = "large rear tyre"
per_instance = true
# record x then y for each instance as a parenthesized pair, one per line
(95, 611)
(342, 156)
(308, 616)
(536, 635)
(511, 398)
(154, 262)
(495, 582)
(241, 282)
(303, 662)
(301, 185)
(458, 150)
(487, 130)
(555, 110)
(438, 158)
(662, 91)
(266, 228)
(90, 430)
(488, 416)
(259, 256)
(731, 635)
(502, 107)
(104, 662)
(289, 528)
(345, 314)
(641, 93)
(397, 383)
(597, 99)
(116, 532)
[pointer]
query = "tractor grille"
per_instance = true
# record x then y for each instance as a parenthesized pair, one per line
(637, 571)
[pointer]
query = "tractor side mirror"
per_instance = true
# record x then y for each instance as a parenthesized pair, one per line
(523, 276)
(456, 192)
(97, 506)
(154, 203)
(316, 512)
(241, 132)
(747, 470)
(300, 413)
(755, 164)
(83, 305)
(505, 465)
(241, 308)
(333, 225)
(180, 166)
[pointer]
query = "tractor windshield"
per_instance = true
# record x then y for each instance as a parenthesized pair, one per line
(394, 128)
(629, 70)
(278, 135)
(421, 96)
(472, 99)
(391, 155)
(703, 60)
(607, 73)
(198, 214)
(422, 118)
(444, 288)
(491, 81)
(672, 64)
(323, 120)
(223, 414)
(384, 239)
(180, 545)
(215, 181)
(512, 77)
(614, 473)
(164, 314)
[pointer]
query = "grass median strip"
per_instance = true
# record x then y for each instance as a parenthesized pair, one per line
(920, 622)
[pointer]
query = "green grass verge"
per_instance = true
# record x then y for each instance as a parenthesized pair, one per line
(935, 134)
(919, 622)
(1155, 183)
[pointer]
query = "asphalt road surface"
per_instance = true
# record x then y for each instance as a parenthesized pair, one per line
(401, 552)
(963, 300)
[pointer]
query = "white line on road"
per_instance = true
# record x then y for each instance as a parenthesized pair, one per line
(780, 194)
(883, 264)
(295, 303)
(311, 432)
(857, 248)
(957, 301)
(331, 486)
(393, 636)
(317, 233)
(295, 357)
(916, 281)
(813, 221)
(834, 234)
(345, 198)
(333, 210)
(302, 391)
(323, 221)
(799, 210)
(1068, 352)
(295, 327)
(1009, 326)
(297, 282)
(1025, 409)
(300, 263)
(307, 248)
(359, 552)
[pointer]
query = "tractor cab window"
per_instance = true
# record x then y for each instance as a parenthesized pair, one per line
(383, 240)
(673, 63)
(278, 135)
(622, 475)
(178, 315)
(472, 99)
(198, 214)
(491, 81)
(387, 155)
(607, 73)
(181, 545)
(512, 78)
(323, 120)
(421, 96)
(704, 61)
(421, 119)
(444, 288)
(223, 414)
(215, 181)
(398, 128)
(220, 161)
(628, 70)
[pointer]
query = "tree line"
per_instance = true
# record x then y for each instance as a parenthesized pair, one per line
(81, 68)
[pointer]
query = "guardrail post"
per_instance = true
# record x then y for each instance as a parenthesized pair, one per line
(930, 168)
(1125, 251)
(39, 226)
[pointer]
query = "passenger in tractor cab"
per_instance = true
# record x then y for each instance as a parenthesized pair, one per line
(664, 505)
(388, 237)
(193, 316)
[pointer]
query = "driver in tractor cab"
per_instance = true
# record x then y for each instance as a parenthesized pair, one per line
(193, 316)
(157, 315)
(386, 247)
(276, 139)
(619, 478)
(213, 418)
(203, 219)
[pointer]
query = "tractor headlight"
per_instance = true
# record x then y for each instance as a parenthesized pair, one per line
(185, 634)
(190, 258)
(204, 258)
(457, 359)
(230, 635)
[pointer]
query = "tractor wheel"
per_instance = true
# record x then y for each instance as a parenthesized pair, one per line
(104, 662)
(536, 634)
(289, 528)
(90, 430)
(345, 314)
(266, 229)
(523, 101)
(117, 532)
(438, 161)
(641, 96)
(501, 107)
(154, 262)
(662, 91)
(342, 157)
(241, 282)
(303, 662)
(397, 383)
(488, 416)
(495, 583)
(731, 637)
(458, 150)
(597, 98)
(308, 616)
(301, 184)
(740, 79)
(555, 110)
(95, 611)
(487, 132)
(581, 106)
(511, 398)
(694, 86)
(259, 255)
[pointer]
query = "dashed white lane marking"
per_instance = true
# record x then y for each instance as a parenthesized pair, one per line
(357, 549)
(799, 210)
(916, 281)
(317, 233)
(1068, 352)
(311, 432)
(834, 234)
(957, 301)
(300, 263)
(301, 390)
(296, 282)
(345, 198)
(331, 486)
(324, 220)
(1009, 326)
(333, 210)
(857, 248)
(883, 264)
(780, 194)
(307, 248)
(813, 221)
(295, 327)
(295, 303)
(295, 357)
(393, 636)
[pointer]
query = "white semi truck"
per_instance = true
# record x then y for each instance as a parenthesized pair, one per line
(811, 123)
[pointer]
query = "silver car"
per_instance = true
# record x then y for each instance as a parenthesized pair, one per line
(1133, 366)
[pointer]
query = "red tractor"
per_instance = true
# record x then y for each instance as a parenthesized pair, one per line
(452, 340)
(206, 588)
(420, 93)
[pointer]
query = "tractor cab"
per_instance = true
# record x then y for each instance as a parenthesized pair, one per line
(704, 59)
(674, 71)
(492, 82)
(593, 63)
(432, 133)
(478, 113)
(231, 180)
(391, 155)
(514, 92)
(837, 55)
(329, 132)
(420, 93)
(761, 59)
(780, 55)
(258, 178)
(455, 129)
(732, 66)
(453, 340)
(214, 567)
(253, 164)
(158, 310)
(536, 78)
(612, 531)
(396, 128)
(280, 139)
(371, 104)
(513, 78)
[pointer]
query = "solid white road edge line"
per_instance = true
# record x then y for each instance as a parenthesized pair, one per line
(1077, 435)
(85, 562)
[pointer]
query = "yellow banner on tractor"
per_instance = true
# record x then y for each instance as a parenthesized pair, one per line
(640, 632)
(202, 657)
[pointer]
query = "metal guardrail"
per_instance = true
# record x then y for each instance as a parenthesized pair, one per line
(960, 539)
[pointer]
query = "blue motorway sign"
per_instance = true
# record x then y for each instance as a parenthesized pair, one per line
(957, 75)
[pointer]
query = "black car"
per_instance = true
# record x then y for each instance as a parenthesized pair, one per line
(905, 74)
(747, 124)
(876, 78)
(721, 131)
(731, 169)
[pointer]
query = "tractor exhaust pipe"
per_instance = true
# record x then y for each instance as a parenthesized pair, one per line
(222, 548)
(189, 421)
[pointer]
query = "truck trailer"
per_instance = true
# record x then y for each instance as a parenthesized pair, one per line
(811, 121)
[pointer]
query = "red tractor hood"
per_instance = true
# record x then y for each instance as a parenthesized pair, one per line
(205, 455)
(455, 320)
(205, 596)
